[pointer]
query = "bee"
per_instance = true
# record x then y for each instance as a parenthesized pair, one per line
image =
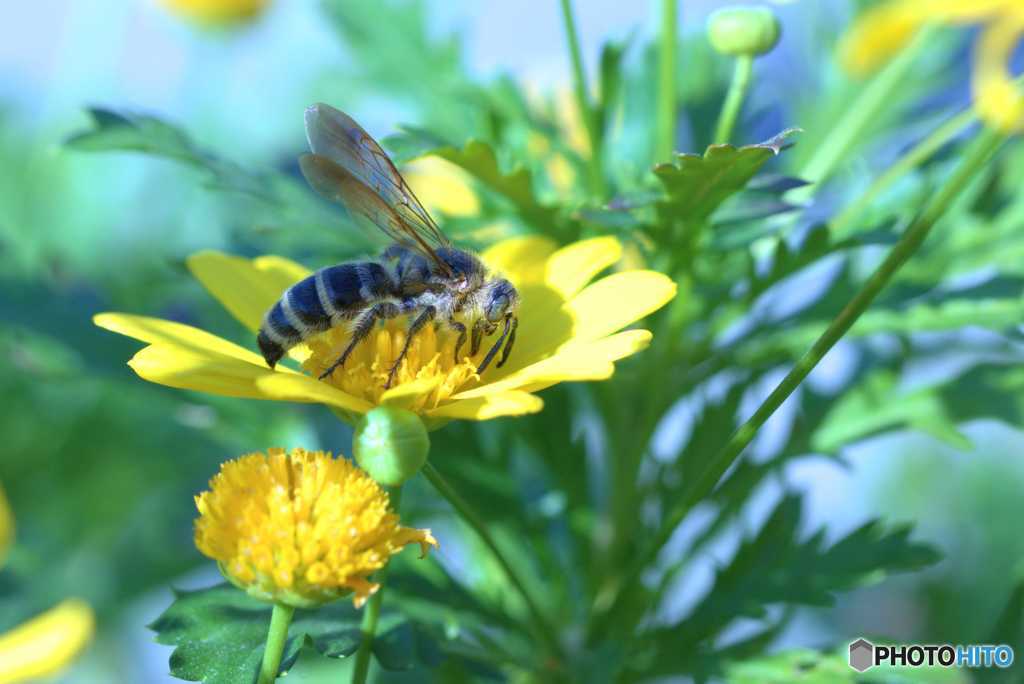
(419, 275)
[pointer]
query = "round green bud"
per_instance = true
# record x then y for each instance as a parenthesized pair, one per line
(743, 30)
(390, 444)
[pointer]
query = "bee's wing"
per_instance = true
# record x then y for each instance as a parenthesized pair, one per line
(348, 165)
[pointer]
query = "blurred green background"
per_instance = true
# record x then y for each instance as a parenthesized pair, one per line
(100, 467)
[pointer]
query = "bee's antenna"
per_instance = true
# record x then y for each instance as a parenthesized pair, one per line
(494, 350)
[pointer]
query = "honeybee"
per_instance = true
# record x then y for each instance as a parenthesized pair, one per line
(420, 274)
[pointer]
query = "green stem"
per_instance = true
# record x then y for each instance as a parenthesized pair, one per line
(977, 155)
(916, 156)
(863, 113)
(540, 624)
(666, 114)
(922, 151)
(371, 614)
(583, 99)
(734, 98)
(277, 635)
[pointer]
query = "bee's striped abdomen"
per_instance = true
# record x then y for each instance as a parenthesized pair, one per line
(316, 303)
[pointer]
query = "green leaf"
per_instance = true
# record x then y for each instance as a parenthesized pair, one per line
(610, 80)
(776, 567)
(876, 405)
(479, 160)
(805, 666)
(697, 185)
(219, 634)
(276, 201)
(404, 646)
(799, 666)
(117, 131)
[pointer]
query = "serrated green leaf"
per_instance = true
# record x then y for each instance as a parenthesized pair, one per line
(798, 666)
(219, 634)
(479, 160)
(696, 184)
(276, 201)
(877, 404)
(775, 567)
(806, 666)
(404, 646)
(122, 132)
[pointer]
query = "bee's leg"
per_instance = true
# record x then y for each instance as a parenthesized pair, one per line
(425, 317)
(461, 329)
(511, 341)
(479, 326)
(363, 325)
(494, 350)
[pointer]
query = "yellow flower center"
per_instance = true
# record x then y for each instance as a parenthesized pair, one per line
(300, 528)
(430, 361)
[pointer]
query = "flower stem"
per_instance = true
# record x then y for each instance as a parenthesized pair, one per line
(666, 113)
(583, 99)
(540, 624)
(276, 638)
(909, 161)
(978, 154)
(371, 615)
(734, 98)
(920, 152)
(862, 113)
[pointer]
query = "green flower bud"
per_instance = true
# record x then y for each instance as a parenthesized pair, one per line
(743, 30)
(390, 444)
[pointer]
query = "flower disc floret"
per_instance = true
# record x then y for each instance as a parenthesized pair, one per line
(300, 527)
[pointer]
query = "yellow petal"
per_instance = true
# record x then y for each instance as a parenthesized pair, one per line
(576, 361)
(569, 269)
(999, 100)
(491, 406)
(879, 34)
(46, 644)
(407, 394)
(6, 527)
(441, 186)
(159, 331)
(520, 259)
(204, 370)
(616, 301)
(247, 288)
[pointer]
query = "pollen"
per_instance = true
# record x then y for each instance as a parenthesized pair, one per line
(430, 360)
(300, 527)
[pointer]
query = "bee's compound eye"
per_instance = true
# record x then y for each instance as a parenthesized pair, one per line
(496, 308)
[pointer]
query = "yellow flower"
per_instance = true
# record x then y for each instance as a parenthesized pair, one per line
(882, 31)
(47, 643)
(567, 332)
(442, 187)
(300, 528)
(217, 12)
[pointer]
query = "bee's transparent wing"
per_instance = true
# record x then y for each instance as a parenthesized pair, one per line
(348, 166)
(338, 185)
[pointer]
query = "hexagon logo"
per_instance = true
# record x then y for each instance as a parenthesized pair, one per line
(862, 655)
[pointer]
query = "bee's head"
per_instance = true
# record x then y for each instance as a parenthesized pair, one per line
(500, 300)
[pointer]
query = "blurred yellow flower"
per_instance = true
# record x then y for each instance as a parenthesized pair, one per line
(47, 643)
(883, 30)
(217, 12)
(300, 528)
(567, 332)
(442, 187)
